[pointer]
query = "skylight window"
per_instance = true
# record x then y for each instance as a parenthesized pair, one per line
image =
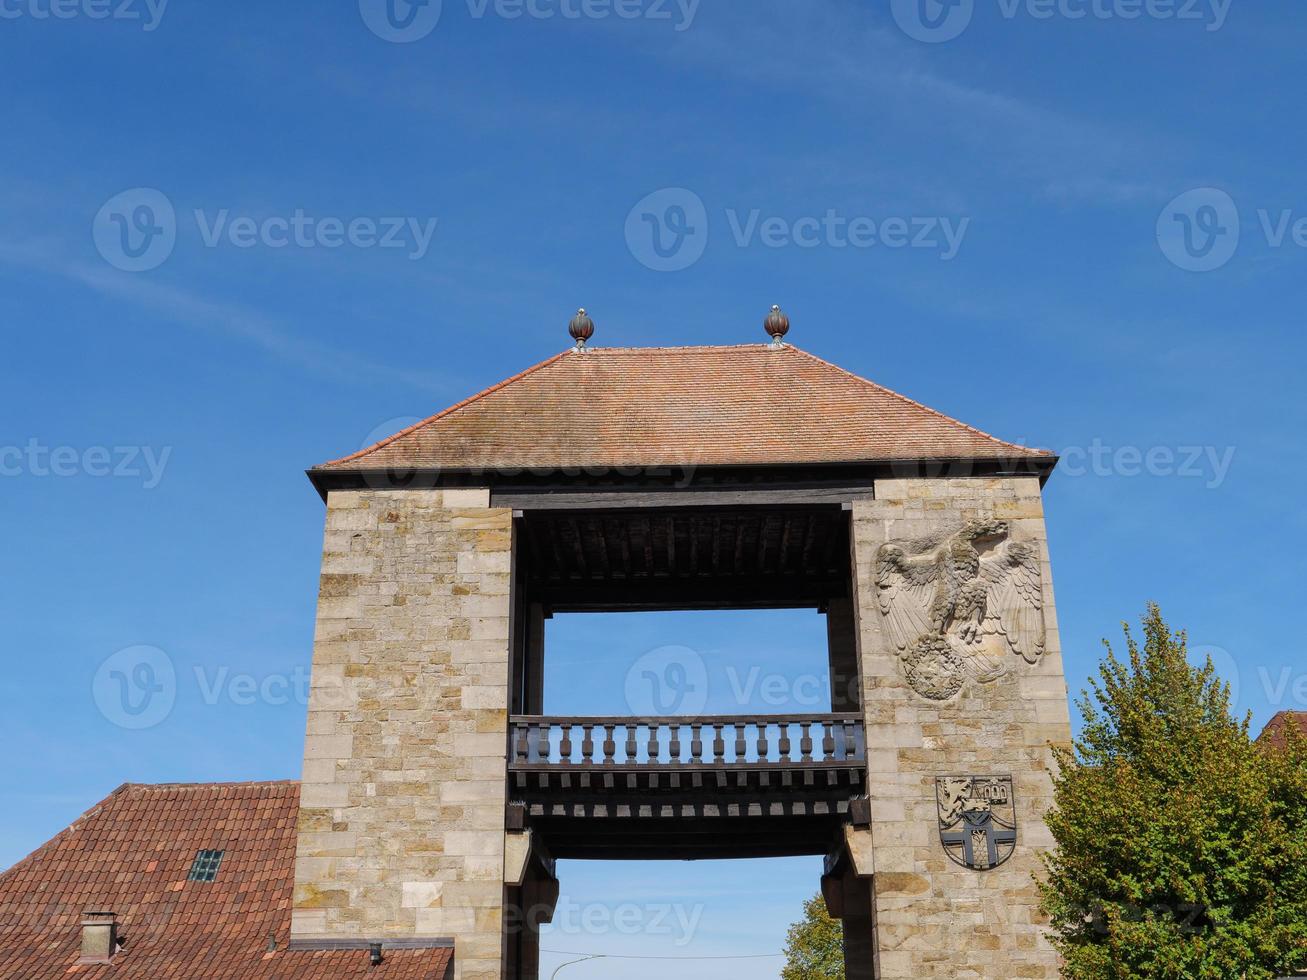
(206, 865)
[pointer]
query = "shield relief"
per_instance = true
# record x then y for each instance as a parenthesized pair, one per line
(977, 819)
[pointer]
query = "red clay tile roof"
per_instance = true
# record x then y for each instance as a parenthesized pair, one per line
(131, 854)
(1274, 732)
(751, 405)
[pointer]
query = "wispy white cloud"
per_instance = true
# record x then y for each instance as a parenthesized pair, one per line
(856, 61)
(183, 306)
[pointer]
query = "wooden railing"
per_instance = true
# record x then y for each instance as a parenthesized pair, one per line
(724, 742)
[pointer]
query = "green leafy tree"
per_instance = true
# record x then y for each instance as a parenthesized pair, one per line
(814, 947)
(1181, 845)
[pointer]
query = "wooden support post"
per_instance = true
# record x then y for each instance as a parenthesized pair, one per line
(535, 659)
(859, 927)
(842, 644)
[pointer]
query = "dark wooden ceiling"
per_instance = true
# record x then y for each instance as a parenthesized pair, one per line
(668, 558)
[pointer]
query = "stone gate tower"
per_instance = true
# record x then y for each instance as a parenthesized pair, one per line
(437, 792)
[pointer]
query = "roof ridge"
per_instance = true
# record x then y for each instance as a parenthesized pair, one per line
(448, 411)
(676, 348)
(916, 404)
(233, 784)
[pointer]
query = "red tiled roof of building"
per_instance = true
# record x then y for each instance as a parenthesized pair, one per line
(131, 854)
(1274, 734)
(749, 405)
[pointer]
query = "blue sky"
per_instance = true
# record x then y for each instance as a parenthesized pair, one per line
(973, 221)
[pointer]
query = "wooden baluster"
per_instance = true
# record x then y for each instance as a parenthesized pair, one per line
(763, 749)
(565, 746)
(610, 743)
(587, 744)
(631, 728)
(674, 746)
(696, 743)
(519, 739)
(545, 742)
(719, 743)
(741, 750)
(784, 747)
(655, 750)
(805, 741)
(827, 741)
(850, 743)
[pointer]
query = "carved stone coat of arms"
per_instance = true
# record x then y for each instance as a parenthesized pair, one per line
(961, 605)
(977, 819)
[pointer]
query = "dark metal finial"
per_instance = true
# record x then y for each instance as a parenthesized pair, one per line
(777, 325)
(582, 328)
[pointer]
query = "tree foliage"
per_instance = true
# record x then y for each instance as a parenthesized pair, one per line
(814, 946)
(1181, 844)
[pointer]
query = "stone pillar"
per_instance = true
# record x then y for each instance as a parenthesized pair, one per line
(401, 827)
(934, 917)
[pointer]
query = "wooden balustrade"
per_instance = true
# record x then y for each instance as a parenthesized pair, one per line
(723, 742)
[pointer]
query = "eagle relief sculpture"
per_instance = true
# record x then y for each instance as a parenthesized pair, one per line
(961, 605)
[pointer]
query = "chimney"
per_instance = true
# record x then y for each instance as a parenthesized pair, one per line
(99, 937)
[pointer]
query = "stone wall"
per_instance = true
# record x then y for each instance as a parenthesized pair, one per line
(933, 917)
(401, 830)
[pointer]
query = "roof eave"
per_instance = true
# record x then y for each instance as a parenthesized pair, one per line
(328, 478)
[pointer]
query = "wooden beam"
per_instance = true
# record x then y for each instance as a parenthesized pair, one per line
(622, 499)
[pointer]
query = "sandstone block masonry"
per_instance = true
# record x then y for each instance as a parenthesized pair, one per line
(933, 917)
(401, 831)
